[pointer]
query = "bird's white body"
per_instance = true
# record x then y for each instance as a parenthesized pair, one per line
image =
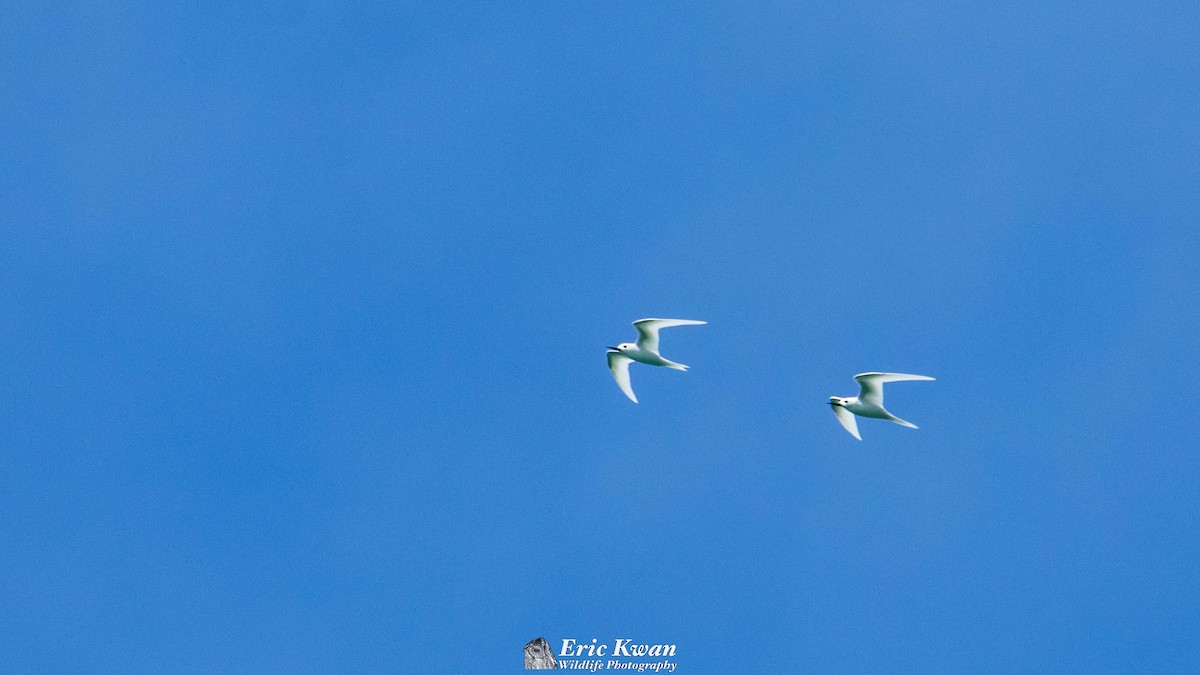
(644, 351)
(862, 409)
(650, 358)
(869, 402)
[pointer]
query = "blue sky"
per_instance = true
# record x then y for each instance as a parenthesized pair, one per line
(305, 306)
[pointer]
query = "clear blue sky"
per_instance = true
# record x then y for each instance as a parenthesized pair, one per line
(305, 306)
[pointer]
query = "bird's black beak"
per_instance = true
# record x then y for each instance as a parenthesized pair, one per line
(614, 349)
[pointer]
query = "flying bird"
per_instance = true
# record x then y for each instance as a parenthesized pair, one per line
(869, 402)
(645, 351)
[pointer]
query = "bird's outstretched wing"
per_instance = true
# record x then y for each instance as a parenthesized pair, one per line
(872, 384)
(618, 363)
(648, 330)
(847, 419)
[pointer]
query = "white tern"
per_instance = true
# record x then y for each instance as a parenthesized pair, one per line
(645, 351)
(869, 402)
